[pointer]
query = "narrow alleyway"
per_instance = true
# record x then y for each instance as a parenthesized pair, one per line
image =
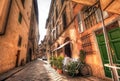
(41, 71)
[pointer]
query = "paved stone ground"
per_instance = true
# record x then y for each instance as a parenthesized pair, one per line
(41, 71)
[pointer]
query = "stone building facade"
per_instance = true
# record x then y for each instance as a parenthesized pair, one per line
(91, 30)
(42, 48)
(59, 27)
(15, 19)
(40, 54)
(33, 34)
(74, 26)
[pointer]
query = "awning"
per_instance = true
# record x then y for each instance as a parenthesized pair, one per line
(61, 46)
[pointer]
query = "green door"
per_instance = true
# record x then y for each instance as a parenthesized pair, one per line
(103, 51)
(114, 38)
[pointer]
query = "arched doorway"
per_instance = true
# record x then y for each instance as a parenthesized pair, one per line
(67, 48)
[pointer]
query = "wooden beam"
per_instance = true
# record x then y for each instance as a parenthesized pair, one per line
(107, 5)
(111, 6)
(114, 7)
(85, 2)
(2, 3)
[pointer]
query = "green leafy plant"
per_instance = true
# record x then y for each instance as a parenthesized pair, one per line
(53, 60)
(73, 68)
(59, 62)
(82, 56)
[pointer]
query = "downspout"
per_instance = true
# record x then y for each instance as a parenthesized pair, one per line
(109, 53)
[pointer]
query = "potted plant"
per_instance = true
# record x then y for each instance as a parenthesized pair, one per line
(54, 59)
(53, 62)
(73, 68)
(82, 56)
(59, 64)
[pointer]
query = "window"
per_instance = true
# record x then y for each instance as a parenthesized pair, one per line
(90, 16)
(54, 36)
(23, 2)
(20, 18)
(64, 21)
(98, 15)
(80, 26)
(62, 1)
(58, 29)
(56, 13)
(19, 41)
(53, 23)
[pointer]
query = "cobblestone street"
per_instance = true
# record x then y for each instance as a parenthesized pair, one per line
(41, 71)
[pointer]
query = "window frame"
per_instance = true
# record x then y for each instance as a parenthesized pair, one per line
(90, 18)
(19, 41)
(64, 20)
(80, 24)
(62, 2)
(20, 18)
(23, 3)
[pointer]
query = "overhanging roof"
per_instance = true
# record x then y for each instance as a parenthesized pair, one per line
(85, 2)
(108, 5)
(113, 6)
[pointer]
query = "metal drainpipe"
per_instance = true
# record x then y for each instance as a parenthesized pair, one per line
(113, 71)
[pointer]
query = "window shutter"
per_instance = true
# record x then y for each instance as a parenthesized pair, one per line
(98, 15)
(105, 14)
(80, 25)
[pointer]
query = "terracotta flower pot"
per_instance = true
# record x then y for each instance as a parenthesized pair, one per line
(54, 67)
(59, 71)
